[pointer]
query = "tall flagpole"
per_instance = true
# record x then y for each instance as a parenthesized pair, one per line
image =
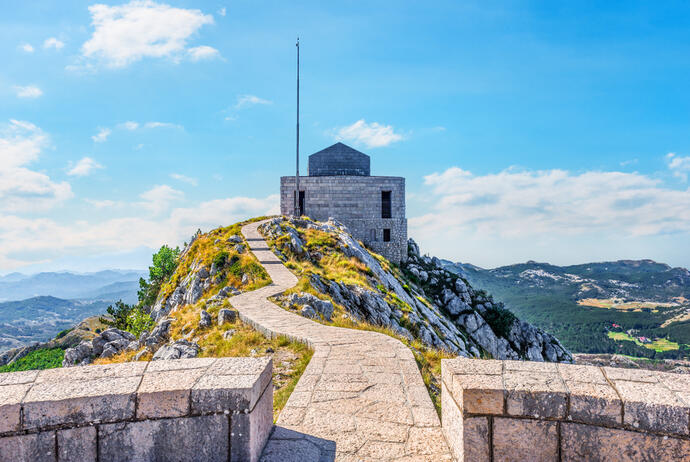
(297, 204)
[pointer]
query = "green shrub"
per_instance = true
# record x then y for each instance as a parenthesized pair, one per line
(38, 359)
(220, 259)
(64, 332)
(131, 318)
(500, 320)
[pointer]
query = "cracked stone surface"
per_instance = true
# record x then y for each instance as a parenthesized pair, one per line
(360, 398)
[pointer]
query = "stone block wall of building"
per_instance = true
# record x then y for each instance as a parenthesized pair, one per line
(516, 410)
(186, 410)
(356, 202)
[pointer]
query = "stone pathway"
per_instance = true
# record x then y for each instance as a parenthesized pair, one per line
(361, 397)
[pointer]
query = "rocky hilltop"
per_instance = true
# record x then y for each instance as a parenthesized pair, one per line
(420, 299)
(342, 283)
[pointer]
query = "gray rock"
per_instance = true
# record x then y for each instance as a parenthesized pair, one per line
(203, 273)
(98, 343)
(227, 335)
(235, 239)
(225, 316)
(204, 319)
(118, 345)
(115, 334)
(180, 349)
(139, 355)
(308, 311)
(159, 334)
(108, 351)
(245, 279)
(239, 248)
(323, 307)
(77, 355)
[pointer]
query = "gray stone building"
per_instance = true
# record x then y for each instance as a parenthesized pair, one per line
(340, 186)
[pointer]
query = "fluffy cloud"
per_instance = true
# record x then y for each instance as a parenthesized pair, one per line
(184, 178)
(127, 33)
(20, 187)
(102, 135)
(373, 135)
(52, 42)
(159, 198)
(26, 241)
(30, 91)
(680, 166)
(250, 100)
(84, 167)
(26, 47)
(552, 215)
(129, 125)
(203, 52)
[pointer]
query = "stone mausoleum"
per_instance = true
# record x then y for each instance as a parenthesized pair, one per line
(339, 185)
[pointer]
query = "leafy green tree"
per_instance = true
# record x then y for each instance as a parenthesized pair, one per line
(119, 312)
(131, 318)
(164, 264)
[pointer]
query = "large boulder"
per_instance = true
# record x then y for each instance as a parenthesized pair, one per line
(79, 355)
(180, 349)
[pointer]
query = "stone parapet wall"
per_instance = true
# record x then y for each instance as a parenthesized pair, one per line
(514, 410)
(191, 409)
(355, 201)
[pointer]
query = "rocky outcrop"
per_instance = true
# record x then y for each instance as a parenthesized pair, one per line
(109, 343)
(309, 305)
(425, 302)
(179, 349)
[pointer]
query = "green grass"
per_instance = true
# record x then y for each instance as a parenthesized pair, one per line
(660, 344)
(37, 359)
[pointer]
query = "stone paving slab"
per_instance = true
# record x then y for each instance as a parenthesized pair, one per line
(361, 397)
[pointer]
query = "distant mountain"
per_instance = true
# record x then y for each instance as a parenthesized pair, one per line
(583, 304)
(66, 285)
(39, 319)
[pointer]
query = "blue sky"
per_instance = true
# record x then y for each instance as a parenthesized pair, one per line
(526, 130)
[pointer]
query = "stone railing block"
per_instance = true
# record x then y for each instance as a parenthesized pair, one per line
(191, 409)
(563, 412)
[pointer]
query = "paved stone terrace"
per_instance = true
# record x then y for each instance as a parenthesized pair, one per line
(361, 397)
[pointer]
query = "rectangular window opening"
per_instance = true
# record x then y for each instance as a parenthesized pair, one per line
(386, 235)
(385, 204)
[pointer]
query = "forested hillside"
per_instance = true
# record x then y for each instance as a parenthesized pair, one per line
(637, 308)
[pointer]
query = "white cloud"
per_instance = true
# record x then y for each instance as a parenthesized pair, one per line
(30, 91)
(250, 100)
(102, 135)
(23, 189)
(159, 198)
(223, 11)
(52, 42)
(127, 33)
(548, 204)
(162, 125)
(680, 166)
(373, 135)
(25, 241)
(203, 52)
(84, 167)
(103, 204)
(129, 125)
(184, 178)
(26, 47)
